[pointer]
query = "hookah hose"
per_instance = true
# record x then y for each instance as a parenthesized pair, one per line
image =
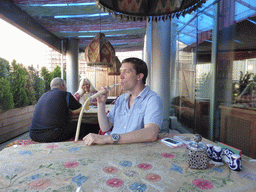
(85, 103)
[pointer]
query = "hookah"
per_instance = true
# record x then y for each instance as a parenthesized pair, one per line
(85, 103)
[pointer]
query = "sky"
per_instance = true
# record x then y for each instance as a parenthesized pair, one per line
(26, 50)
(15, 44)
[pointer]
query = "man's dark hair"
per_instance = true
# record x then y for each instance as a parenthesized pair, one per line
(139, 66)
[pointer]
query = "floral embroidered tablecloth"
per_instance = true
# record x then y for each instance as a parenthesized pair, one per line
(69, 166)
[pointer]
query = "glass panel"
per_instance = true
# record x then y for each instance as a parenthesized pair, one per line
(236, 64)
(210, 107)
(244, 9)
(184, 101)
(204, 71)
(192, 102)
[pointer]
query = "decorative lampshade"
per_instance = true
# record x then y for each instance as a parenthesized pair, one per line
(145, 9)
(115, 69)
(100, 52)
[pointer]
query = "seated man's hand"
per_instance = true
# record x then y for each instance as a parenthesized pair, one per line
(92, 138)
(103, 97)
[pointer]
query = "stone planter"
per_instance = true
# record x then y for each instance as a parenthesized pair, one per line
(15, 122)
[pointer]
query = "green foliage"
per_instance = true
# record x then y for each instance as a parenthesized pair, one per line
(4, 69)
(6, 97)
(56, 72)
(18, 84)
(38, 83)
(29, 87)
(244, 80)
(21, 86)
(39, 87)
(47, 78)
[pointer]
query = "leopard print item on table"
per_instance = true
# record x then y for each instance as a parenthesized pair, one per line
(197, 160)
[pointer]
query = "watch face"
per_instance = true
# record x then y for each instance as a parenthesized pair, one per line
(115, 137)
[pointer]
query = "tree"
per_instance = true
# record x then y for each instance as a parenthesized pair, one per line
(18, 83)
(29, 87)
(38, 83)
(57, 72)
(6, 97)
(39, 87)
(47, 78)
(4, 69)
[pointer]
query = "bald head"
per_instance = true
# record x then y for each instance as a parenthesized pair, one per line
(58, 83)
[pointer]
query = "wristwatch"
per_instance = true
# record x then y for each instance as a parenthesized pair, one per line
(115, 137)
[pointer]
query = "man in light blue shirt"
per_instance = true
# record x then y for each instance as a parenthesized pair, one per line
(137, 116)
(145, 109)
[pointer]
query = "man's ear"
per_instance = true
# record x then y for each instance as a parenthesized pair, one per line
(62, 86)
(140, 76)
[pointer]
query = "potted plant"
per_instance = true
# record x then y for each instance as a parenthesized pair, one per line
(244, 80)
(243, 86)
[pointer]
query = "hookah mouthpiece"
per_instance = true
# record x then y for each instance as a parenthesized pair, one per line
(103, 91)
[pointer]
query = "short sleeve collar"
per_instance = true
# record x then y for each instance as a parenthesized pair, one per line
(142, 94)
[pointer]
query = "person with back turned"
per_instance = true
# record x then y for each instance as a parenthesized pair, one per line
(50, 122)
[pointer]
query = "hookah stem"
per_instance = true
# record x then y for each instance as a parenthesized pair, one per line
(82, 110)
(102, 92)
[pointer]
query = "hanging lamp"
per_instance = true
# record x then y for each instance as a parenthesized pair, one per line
(115, 69)
(100, 52)
(154, 10)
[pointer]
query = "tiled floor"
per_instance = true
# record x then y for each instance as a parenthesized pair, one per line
(178, 128)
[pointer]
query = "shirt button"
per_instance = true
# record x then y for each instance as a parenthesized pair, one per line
(125, 127)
